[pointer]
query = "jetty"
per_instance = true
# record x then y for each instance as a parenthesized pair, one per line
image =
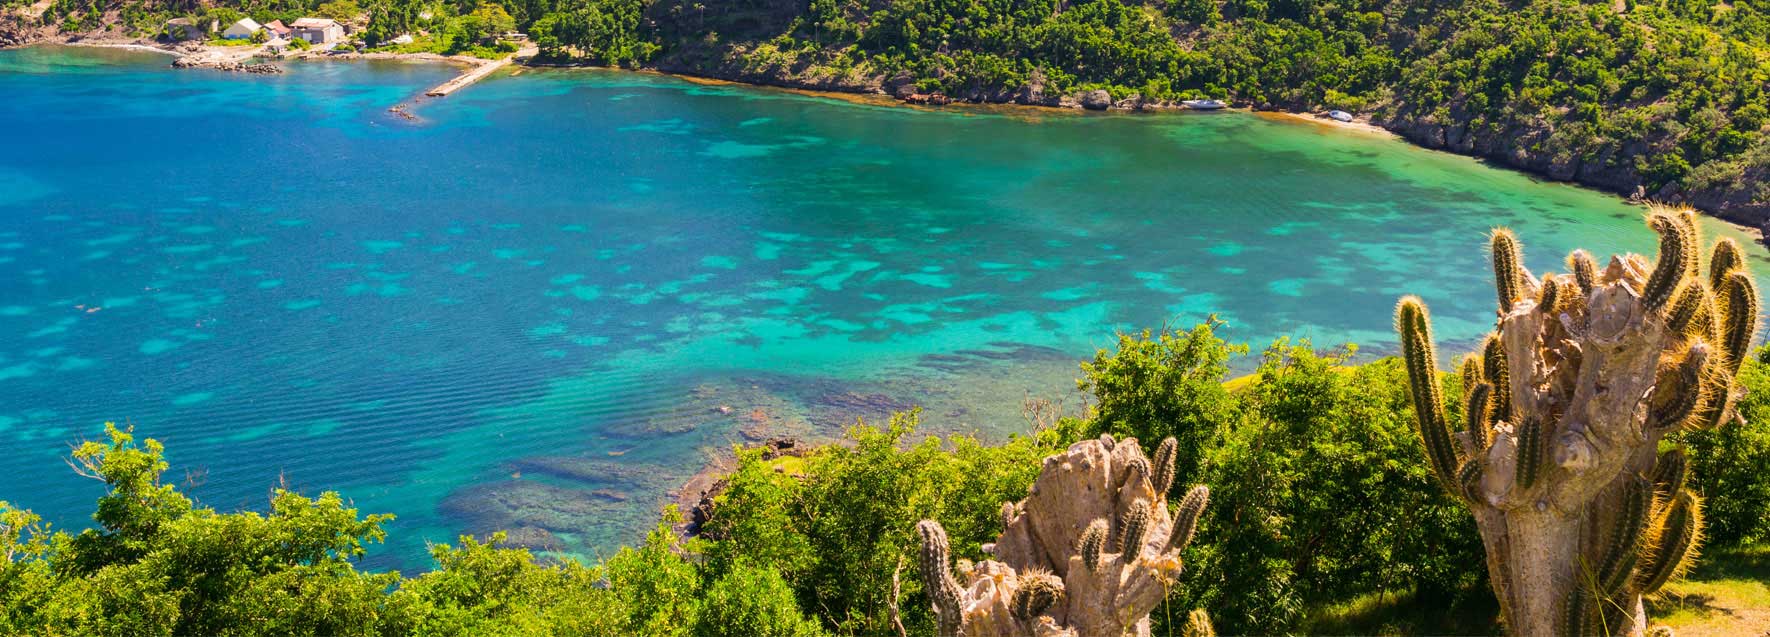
(478, 73)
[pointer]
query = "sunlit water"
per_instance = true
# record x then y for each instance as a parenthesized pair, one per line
(541, 305)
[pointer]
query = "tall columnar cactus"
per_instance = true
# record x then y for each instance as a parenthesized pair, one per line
(1558, 456)
(1089, 553)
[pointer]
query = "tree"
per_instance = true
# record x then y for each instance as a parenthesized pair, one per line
(340, 10)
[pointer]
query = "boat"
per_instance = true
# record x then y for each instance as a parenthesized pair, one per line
(1204, 105)
(1339, 116)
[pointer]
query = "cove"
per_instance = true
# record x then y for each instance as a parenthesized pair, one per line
(541, 306)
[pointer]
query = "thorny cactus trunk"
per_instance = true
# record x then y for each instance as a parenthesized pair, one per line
(1089, 552)
(1558, 458)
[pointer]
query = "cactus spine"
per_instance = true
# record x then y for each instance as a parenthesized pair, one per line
(1054, 573)
(1579, 512)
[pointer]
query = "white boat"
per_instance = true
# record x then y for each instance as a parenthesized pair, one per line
(1339, 116)
(1204, 105)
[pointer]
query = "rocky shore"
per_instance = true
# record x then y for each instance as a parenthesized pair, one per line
(1531, 147)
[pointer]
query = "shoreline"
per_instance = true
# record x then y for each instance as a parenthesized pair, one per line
(875, 97)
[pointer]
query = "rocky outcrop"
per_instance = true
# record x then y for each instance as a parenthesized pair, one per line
(16, 30)
(211, 61)
(1539, 147)
(1096, 100)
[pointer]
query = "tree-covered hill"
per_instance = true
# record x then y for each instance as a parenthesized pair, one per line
(1665, 100)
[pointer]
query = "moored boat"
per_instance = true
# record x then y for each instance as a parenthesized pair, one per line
(1204, 105)
(1339, 116)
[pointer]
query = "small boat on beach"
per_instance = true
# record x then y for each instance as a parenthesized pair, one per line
(1339, 116)
(1204, 105)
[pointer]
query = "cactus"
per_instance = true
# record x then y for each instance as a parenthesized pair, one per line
(1739, 322)
(943, 590)
(1579, 512)
(1198, 624)
(1476, 419)
(1725, 258)
(1037, 594)
(1678, 534)
(1054, 574)
(1585, 271)
(1093, 544)
(1669, 474)
(1164, 465)
(1508, 268)
(1499, 374)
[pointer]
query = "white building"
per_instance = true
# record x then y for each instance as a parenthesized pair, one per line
(317, 30)
(242, 30)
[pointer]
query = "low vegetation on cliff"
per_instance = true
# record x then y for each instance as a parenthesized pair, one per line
(1319, 497)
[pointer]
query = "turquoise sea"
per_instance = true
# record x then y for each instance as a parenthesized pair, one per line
(544, 303)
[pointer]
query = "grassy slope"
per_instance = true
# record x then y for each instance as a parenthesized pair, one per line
(1728, 595)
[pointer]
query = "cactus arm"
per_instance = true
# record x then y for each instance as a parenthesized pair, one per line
(943, 590)
(1476, 420)
(1508, 268)
(1186, 518)
(1531, 446)
(1680, 531)
(1164, 465)
(1584, 269)
(1628, 530)
(1421, 356)
(1725, 258)
(1677, 254)
(1499, 374)
(1740, 322)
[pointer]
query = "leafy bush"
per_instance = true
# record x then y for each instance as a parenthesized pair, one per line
(1728, 465)
(840, 528)
(1166, 384)
(1318, 494)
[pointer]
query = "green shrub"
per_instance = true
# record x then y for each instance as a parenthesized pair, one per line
(1164, 384)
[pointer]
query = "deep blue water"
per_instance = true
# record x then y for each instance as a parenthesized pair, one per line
(542, 305)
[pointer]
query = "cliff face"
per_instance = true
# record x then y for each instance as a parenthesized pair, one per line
(1538, 147)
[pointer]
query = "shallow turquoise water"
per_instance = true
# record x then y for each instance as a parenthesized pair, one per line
(539, 306)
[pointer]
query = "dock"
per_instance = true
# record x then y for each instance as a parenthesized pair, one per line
(477, 73)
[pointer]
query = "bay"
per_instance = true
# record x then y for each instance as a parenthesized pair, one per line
(545, 303)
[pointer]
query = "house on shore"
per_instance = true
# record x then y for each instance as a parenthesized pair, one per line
(181, 29)
(317, 31)
(242, 30)
(278, 30)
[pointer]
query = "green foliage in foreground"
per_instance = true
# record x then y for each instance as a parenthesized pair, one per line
(1320, 501)
(159, 565)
